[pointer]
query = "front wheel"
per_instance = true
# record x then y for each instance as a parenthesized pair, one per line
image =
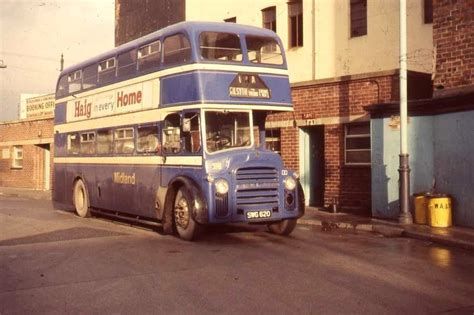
(283, 227)
(81, 199)
(185, 225)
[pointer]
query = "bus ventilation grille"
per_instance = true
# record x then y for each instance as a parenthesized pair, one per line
(257, 188)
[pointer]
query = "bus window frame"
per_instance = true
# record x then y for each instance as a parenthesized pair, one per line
(158, 150)
(175, 63)
(198, 49)
(203, 130)
(133, 138)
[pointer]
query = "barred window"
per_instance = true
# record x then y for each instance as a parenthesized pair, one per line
(269, 18)
(428, 11)
(273, 140)
(358, 18)
(295, 17)
(357, 144)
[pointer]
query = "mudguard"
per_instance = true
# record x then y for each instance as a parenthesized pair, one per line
(199, 209)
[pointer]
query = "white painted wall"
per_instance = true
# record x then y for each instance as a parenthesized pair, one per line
(336, 53)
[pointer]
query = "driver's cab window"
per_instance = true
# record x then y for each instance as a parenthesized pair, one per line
(191, 132)
(172, 134)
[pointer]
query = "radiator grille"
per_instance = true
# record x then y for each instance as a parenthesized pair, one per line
(257, 187)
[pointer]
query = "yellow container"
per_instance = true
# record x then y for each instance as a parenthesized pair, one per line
(421, 205)
(439, 210)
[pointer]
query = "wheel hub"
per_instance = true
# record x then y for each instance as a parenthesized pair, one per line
(181, 213)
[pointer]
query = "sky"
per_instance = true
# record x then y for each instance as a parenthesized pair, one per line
(34, 34)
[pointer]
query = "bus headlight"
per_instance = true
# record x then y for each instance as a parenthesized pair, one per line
(222, 186)
(289, 182)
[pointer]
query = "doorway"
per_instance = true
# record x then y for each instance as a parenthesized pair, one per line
(312, 164)
(46, 166)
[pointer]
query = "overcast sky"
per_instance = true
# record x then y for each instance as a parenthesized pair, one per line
(34, 33)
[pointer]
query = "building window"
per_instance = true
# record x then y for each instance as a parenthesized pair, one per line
(273, 140)
(358, 18)
(17, 159)
(357, 144)
(295, 17)
(428, 11)
(231, 20)
(269, 18)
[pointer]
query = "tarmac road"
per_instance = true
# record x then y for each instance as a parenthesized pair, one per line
(55, 262)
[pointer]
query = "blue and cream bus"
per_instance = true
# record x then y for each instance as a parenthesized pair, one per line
(171, 128)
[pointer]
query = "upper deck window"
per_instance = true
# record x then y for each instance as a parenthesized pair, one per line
(89, 75)
(176, 49)
(107, 70)
(220, 46)
(263, 50)
(149, 56)
(75, 81)
(63, 86)
(107, 64)
(127, 63)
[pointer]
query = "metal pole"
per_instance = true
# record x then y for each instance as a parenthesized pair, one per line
(62, 63)
(405, 216)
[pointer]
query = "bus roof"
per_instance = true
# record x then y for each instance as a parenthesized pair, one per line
(188, 27)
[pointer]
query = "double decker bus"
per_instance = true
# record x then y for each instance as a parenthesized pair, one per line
(170, 128)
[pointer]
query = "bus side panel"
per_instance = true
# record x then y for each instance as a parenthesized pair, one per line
(215, 88)
(59, 188)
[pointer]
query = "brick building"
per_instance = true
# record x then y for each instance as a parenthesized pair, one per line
(441, 136)
(342, 56)
(26, 146)
(26, 154)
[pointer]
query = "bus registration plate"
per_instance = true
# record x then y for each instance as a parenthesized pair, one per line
(259, 214)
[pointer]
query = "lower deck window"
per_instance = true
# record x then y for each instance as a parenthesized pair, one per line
(147, 139)
(357, 144)
(124, 141)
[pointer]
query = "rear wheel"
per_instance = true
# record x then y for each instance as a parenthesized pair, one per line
(283, 227)
(185, 225)
(81, 199)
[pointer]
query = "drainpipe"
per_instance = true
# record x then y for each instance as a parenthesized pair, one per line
(405, 216)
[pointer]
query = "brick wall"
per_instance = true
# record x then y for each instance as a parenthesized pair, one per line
(328, 102)
(453, 36)
(34, 136)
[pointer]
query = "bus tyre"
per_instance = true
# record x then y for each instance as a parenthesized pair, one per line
(81, 199)
(185, 225)
(283, 227)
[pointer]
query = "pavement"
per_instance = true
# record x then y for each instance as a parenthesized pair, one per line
(454, 236)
